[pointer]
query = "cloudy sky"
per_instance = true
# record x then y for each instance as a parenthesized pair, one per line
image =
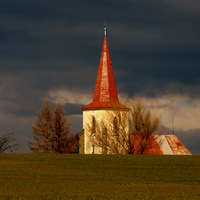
(52, 48)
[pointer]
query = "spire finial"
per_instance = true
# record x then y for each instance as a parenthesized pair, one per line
(105, 29)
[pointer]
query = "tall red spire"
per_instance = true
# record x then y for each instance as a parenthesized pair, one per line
(105, 93)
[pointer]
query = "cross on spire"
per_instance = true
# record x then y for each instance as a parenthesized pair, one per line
(105, 29)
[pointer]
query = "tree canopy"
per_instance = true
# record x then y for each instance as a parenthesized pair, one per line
(52, 131)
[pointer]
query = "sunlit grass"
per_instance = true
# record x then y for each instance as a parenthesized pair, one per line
(47, 176)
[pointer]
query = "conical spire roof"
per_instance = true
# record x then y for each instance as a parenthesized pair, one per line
(105, 93)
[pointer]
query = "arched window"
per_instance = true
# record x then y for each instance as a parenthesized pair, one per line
(115, 127)
(93, 125)
(104, 140)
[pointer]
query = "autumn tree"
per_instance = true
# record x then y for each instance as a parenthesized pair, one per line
(52, 131)
(120, 133)
(62, 140)
(42, 130)
(8, 143)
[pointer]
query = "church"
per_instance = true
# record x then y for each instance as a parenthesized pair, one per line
(101, 116)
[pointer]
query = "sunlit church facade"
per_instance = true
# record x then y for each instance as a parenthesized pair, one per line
(105, 99)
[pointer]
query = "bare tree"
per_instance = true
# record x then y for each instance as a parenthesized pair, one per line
(8, 143)
(52, 131)
(120, 133)
(144, 128)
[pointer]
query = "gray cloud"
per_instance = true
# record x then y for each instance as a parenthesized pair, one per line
(55, 46)
(190, 139)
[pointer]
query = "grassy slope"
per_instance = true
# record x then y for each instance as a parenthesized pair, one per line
(33, 176)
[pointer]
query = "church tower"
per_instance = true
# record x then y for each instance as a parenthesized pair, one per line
(105, 100)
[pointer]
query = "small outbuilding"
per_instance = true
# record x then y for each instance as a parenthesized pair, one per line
(171, 145)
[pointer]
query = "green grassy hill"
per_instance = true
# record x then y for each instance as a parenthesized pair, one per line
(40, 176)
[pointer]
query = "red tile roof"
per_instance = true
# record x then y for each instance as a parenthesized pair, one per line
(105, 93)
(162, 145)
(151, 147)
(176, 146)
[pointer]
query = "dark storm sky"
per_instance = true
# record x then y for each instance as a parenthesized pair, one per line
(52, 48)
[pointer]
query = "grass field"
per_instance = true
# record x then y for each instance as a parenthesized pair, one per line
(46, 176)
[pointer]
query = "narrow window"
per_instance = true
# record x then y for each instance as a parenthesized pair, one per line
(104, 141)
(115, 128)
(93, 125)
(93, 149)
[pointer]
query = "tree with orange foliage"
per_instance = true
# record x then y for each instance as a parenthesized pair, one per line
(62, 140)
(52, 131)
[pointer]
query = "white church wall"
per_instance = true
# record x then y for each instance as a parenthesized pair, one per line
(101, 117)
(87, 119)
